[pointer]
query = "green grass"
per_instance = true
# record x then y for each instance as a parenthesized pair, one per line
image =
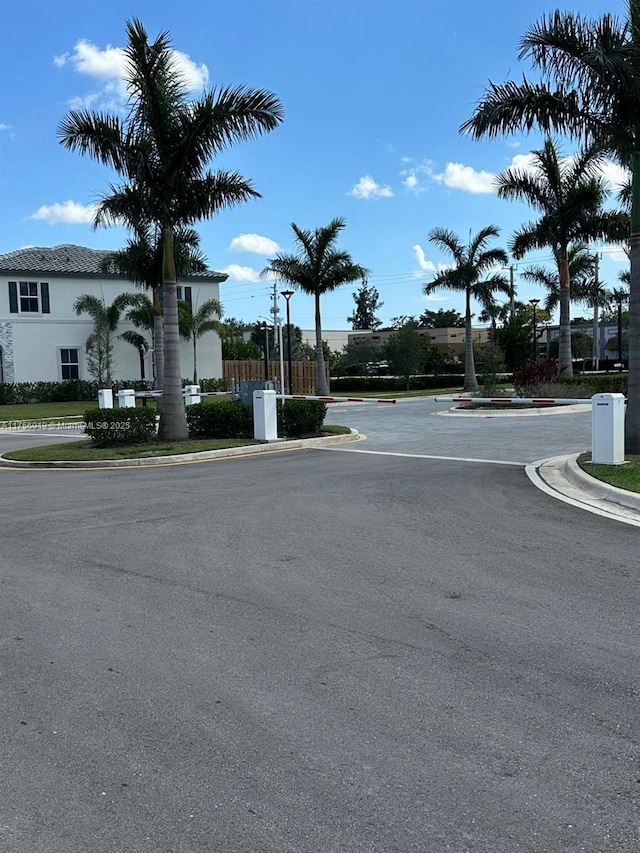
(622, 476)
(82, 451)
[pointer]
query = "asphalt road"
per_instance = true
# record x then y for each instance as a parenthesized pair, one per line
(320, 650)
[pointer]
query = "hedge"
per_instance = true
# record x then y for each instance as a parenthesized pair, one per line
(353, 384)
(227, 419)
(111, 427)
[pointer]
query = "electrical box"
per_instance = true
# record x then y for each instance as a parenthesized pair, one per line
(607, 429)
(265, 417)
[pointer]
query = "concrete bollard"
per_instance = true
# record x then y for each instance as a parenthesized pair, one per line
(607, 429)
(191, 395)
(127, 398)
(105, 398)
(265, 416)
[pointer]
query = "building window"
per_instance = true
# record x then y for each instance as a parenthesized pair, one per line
(29, 297)
(70, 363)
(185, 294)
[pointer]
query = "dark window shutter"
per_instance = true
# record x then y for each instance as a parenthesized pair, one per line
(187, 297)
(13, 297)
(44, 295)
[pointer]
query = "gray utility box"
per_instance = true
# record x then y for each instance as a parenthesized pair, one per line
(607, 429)
(247, 389)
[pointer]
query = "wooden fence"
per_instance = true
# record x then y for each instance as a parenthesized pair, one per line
(304, 373)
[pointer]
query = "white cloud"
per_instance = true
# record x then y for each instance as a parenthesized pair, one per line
(236, 272)
(615, 175)
(423, 263)
(411, 182)
(67, 212)
(457, 176)
(415, 173)
(254, 243)
(5, 127)
(367, 188)
(108, 66)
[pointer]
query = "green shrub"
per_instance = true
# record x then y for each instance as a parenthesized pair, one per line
(111, 427)
(223, 419)
(298, 418)
(601, 383)
(389, 384)
(14, 393)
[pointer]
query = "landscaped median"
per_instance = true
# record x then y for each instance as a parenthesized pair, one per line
(80, 454)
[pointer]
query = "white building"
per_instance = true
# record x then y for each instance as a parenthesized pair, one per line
(42, 338)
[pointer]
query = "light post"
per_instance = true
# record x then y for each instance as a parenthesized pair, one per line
(266, 352)
(534, 305)
(287, 295)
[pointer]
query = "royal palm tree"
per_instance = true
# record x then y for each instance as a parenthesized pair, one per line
(569, 194)
(474, 274)
(193, 325)
(590, 89)
(317, 268)
(161, 152)
(141, 262)
(105, 322)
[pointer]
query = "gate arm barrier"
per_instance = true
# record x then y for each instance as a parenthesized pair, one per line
(517, 401)
(332, 399)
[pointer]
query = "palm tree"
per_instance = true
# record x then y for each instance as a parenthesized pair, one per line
(141, 262)
(194, 325)
(141, 345)
(590, 89)
(569, 194)
(317, 268)
(105, 322)
(473, 274)
(161, 151)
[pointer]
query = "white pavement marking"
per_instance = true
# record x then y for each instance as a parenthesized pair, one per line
(427, 456)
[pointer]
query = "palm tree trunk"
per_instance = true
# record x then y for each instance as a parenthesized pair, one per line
(595, 350)
(632, 420)
(158, 341)
(470, 379)
(173, 420)
(565, 362)
(322, 386)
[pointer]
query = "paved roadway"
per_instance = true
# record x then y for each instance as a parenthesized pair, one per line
(320, 651)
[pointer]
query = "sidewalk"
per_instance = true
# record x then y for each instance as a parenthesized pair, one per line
(562, 478)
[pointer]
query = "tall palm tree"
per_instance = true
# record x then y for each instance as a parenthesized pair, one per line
(105, 322)
(590, 89)
(194, 324)
(581, 267)
(473, 273)
(141, 262)
(161, 151)
(317, 268)
(569, 194)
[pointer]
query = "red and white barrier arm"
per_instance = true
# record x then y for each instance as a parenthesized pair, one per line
(515, 401)
(332, 399)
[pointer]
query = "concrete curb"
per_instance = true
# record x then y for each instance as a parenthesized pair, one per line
(185, 458)
(461, 412)
(562, 478)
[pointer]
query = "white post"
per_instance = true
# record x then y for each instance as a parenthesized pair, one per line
(105, 398)
(607, 429)
(127, 398)
(191, 395)
(265, 416)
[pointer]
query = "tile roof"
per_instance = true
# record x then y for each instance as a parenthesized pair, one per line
(68, 259)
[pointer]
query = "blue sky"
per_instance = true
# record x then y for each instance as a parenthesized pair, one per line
(373, 93)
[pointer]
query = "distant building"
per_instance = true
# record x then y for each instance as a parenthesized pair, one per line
(42, 339)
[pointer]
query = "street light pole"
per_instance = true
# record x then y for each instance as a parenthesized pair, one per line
(287, 295)
(534, 305)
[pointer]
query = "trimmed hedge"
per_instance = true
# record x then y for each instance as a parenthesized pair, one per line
(112, 427)
(297, 418)
(354, 384)
(58, 392)
(226, 419)
(223, 419)
(601, 383)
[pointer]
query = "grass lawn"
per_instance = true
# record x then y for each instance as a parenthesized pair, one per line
(82, 451)
(622, 476)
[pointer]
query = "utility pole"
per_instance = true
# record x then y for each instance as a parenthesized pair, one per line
(595, 348)
(512, 306)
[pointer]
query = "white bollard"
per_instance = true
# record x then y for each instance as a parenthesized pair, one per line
(607, 429)
(105, 398)
(265, 417)
(191, 394)
(127, 398)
